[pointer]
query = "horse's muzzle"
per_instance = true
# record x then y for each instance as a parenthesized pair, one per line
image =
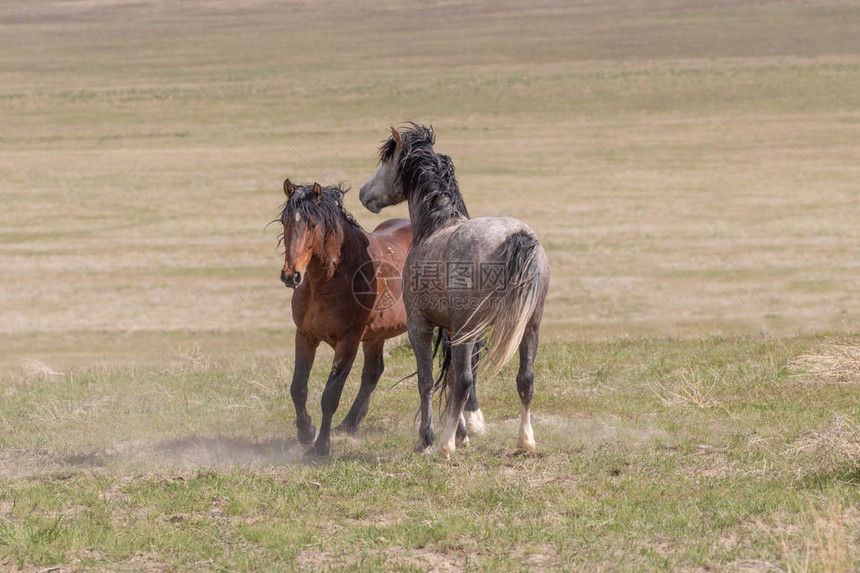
(291, 280)
(368, 203)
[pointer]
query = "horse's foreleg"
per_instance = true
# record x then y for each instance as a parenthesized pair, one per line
(461, 381)
(306, 348)
(373, 367)
(472, 415)
(421, 337)
(344, 355)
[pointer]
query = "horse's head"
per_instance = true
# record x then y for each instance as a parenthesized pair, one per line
(303, 234)
(385, 186)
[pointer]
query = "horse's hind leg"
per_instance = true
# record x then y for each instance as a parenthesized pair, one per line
(373, 367)
(473, 418)
(306, 348)
(525, 383)
(460, 383)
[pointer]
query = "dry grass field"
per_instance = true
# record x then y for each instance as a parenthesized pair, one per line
(693, 169)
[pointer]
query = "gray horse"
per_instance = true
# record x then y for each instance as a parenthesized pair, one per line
(465, 275)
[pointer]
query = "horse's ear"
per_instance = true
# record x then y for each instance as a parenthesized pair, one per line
(398, 139)
(317, 191)
(289, 188)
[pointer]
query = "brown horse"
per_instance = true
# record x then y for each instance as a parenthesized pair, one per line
(347, 292)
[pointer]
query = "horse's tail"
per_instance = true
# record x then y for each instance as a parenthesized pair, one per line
(442, 347)
(510, 312)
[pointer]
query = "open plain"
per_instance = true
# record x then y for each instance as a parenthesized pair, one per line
(692, 168)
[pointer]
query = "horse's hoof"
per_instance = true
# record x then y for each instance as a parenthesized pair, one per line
(463, 442)
(422, 447)
(526, 445)
(318, 452)
(307, 435)
(344, 428)
(444, 452)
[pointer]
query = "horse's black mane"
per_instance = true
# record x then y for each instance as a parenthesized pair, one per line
(329, 212)
(428, 177)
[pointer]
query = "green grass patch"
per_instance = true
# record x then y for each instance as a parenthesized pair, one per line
(653, 453)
